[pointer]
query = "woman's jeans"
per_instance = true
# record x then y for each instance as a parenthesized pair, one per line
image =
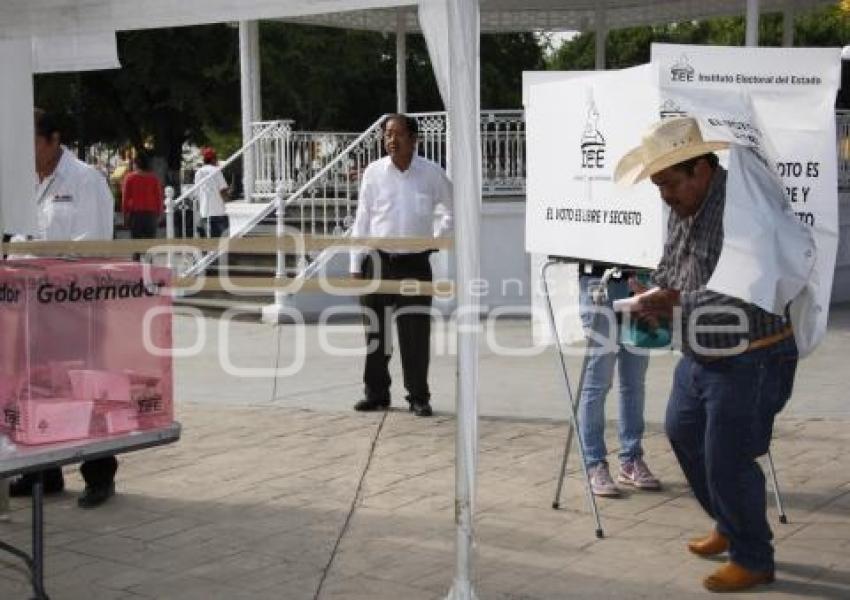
(600, 324)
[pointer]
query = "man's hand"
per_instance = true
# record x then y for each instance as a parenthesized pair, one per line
(655, 306)
(636, 286)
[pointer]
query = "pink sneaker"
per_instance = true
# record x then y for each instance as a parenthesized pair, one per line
(601, 483)
(635, 473)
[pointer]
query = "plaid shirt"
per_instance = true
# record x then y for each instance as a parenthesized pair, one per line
(690, 255)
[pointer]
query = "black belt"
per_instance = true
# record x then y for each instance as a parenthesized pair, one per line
(402, 256)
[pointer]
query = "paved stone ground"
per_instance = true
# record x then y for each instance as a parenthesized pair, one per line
(251, 503)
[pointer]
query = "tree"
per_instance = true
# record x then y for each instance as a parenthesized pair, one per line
(181, 85)
(172, 84)
(827, 26)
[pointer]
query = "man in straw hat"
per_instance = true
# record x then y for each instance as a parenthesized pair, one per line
(738, 361)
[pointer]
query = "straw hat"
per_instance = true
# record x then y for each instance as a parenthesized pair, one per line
(667, 143)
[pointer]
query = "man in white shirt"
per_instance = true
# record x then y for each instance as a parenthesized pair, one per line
(212, 196)
(73, 202)
(398, 197)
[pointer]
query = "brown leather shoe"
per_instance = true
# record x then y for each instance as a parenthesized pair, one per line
(735, 578)
(711, 545)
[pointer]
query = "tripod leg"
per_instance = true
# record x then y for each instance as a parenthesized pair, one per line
(776, 493)
(573, 415)
(556, 504)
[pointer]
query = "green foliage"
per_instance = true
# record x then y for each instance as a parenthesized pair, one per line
(182, 84)
(823, 27)
(173, 83)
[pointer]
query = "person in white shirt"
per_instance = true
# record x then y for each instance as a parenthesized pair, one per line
(399, 195)
(212, 196)
(73, 202)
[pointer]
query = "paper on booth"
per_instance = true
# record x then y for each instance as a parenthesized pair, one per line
(780, 101)
(577, 130)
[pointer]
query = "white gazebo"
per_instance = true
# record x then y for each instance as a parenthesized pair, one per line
(72, 35)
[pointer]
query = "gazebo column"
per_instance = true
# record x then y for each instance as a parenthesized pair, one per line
(249, 62)
(401, 61)
(601, 35)
(752, 36)
(788, 24)
(17, 145)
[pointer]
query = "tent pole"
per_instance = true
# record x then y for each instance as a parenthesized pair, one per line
(752, 36)
(601, 35)
(464, 108)
(788, 25)
(401, 61)
(249, 63)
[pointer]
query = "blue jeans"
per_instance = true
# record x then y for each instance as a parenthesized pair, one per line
(599, 374)
(719, 420)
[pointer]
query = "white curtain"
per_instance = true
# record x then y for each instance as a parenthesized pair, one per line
(17, 149)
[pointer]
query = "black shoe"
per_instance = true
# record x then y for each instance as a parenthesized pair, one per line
(421, 409)
(370, 405)
(21, 487)
(94, 496)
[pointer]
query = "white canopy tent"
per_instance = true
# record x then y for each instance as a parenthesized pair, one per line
(452, 29)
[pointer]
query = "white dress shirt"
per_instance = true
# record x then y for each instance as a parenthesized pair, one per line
(399, 204)
(73, 203)
(210, 202)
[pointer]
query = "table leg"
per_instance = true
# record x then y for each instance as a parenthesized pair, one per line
(38, 538)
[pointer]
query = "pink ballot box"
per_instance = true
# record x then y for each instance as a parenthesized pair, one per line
(84, 349)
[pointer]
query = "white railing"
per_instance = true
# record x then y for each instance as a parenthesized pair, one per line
(290, 157)
(312, 208)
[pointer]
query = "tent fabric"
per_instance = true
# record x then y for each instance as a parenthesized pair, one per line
(72, 52)
(452, 34)
(566, 15)
(25, 17)
(17, 146)
(40, 17)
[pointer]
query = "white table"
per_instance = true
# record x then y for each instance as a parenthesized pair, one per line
(17, 460)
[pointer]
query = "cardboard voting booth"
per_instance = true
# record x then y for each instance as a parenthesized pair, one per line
(84, 350)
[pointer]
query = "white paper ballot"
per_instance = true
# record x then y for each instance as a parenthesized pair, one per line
(628, 304)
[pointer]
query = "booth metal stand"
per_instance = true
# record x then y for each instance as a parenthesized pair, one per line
(600, 297)
(34, 459)
(573, 400)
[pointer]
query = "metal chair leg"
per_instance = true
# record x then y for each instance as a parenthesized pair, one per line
(783, 518)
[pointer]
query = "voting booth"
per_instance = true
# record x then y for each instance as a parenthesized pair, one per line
(773, 108)
(85, 349)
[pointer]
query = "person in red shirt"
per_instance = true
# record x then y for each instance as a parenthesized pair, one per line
(142, 199)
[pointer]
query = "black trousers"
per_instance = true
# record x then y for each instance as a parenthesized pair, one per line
(143, 225)
(413, 322)
(217, 225)
(96, 473)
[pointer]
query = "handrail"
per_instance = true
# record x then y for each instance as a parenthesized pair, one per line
(191, 191)
(272, 206)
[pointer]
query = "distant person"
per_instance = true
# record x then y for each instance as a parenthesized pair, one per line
(398, 197)
(73, 202)
(116, 178)
(212, 196)
(142, 199)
